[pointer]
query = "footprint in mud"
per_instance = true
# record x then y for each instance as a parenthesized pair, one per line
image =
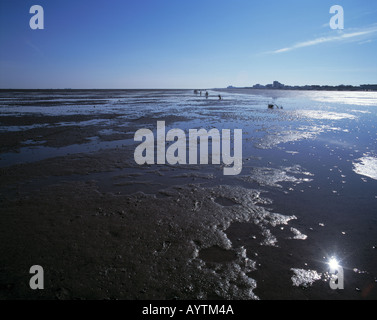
(225, 202)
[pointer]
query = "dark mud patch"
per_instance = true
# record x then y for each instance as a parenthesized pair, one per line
(75, 164)
(29, 120)
(96, 245)
(61, 135)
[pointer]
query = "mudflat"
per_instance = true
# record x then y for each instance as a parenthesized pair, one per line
(74, 201)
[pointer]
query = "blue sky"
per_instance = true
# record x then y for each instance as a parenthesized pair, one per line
(186, 44)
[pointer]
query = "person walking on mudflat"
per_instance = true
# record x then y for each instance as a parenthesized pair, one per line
(206, 94)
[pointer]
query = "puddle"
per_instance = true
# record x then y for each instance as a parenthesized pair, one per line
(216, 254)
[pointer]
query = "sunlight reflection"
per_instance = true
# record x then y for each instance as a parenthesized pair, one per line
(333, 263)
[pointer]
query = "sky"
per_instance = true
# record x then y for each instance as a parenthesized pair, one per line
(120, 44)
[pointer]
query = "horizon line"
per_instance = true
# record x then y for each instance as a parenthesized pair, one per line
(208, 88)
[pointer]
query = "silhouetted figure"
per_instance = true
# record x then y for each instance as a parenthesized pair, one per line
(272, 106)
(219, 97)
(206, 94)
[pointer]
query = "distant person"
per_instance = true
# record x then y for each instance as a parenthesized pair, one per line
(206, 94)
(200, 92)
(220, 97)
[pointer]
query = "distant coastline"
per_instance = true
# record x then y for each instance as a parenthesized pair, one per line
(280, 86)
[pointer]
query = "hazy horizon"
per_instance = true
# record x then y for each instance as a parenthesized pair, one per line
(249, 86)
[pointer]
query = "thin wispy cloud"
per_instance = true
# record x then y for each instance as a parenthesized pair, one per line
(34, 48)
(366, 41)
(338, 38)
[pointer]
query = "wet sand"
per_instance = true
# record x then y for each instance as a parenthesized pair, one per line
(103, 227)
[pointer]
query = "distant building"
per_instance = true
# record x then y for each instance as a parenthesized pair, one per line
(369, 87)
(277, 85)
(316, 87)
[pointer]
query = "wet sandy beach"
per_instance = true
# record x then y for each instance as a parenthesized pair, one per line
(74, 201)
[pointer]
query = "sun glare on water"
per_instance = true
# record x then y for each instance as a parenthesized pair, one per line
(333, 263)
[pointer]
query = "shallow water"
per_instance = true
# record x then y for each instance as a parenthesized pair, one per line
(314, 160)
